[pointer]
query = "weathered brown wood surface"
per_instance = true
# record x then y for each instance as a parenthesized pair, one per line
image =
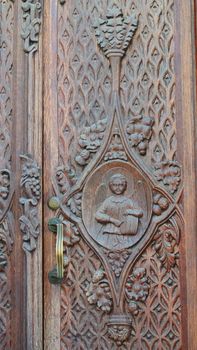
(101, 115)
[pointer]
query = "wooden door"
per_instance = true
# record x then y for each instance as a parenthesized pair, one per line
(98, 165)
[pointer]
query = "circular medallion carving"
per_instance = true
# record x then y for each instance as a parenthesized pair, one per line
(116, 205)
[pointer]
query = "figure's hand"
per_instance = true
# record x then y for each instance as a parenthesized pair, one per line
(115, 222)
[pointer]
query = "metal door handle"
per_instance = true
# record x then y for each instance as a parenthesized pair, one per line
(56, 275)
(60, 251)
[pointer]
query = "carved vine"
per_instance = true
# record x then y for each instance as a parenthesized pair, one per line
(137, 289)
(166, 243)
(139, 131)
(90, 140)
(169, 172)
(98, 292)
(31, 24)
(29, 222)
(115, 31)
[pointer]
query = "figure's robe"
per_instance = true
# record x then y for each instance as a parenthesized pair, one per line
(117, 207)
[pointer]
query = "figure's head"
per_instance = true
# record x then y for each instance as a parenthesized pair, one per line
(118, 184)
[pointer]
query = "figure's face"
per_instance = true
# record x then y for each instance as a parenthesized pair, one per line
(118, 186)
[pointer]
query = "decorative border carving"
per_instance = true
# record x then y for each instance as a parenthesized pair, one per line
(29, 222)
(31, 24)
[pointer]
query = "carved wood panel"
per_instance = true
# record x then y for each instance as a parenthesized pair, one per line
(118, 181)
(6, 186)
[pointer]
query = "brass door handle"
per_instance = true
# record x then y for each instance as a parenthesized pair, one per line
(60, 251)
(56, 275)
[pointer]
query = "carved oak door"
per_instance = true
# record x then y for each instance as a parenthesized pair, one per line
(99, 96)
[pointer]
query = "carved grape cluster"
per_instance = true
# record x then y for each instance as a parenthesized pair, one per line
(31, 179)
(90, 140)
(139, 130)
(115, 32)
(4, 183)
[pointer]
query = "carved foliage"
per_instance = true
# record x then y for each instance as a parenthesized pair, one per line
(29, 222)
(116, 31)
(166, 243)
(31, 24)
(169, 172)
(137, 289)
(98, 292)
(139, 131)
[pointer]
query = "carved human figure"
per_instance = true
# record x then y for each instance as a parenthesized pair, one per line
(118, 214)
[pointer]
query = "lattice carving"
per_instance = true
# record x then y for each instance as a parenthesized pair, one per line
(147, 76)
(6, 123)
(157, 326)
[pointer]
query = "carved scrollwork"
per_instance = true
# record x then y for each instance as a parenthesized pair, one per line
(137, 289)
(115, 32)
(98, 292)
(169, 172)
(166, 243)
(30, 184)
(31, 24)
(90, 140)
(139, 131)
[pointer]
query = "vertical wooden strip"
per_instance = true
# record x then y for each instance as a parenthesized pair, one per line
(189, 155)
(50, 158)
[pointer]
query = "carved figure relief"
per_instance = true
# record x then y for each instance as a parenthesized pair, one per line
(105, 182)
(122, 205)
